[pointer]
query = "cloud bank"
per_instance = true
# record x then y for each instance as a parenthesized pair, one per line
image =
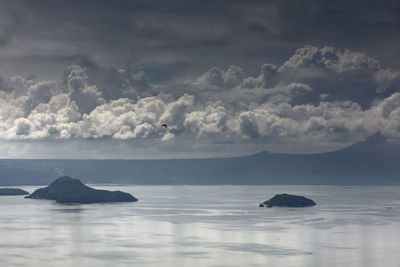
(319, 95)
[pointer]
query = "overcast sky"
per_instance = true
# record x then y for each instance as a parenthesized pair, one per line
(98, 78)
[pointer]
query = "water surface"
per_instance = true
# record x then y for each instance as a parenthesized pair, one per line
(206, 226)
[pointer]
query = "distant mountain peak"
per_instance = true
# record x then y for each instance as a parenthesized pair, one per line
(371, 144)
(261, 153)
(376, 138)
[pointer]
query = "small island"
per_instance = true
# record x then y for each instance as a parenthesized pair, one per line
(12, 192)
(286, 200)
(66, 190)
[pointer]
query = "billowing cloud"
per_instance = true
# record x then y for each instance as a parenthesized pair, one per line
(341, 74)
(329, 58)
(387, 79)
(123, 119)
(86, 96)
(221, 106)
(210, 121)
(222, 72)
(217, 79)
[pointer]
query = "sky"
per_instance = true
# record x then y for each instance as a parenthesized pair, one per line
(97, 79)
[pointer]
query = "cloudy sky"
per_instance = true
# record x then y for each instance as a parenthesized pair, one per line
(98, 78)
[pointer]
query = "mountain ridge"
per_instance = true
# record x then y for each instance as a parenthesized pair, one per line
(374, 161)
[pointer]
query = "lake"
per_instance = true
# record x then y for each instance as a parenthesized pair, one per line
(206, 226)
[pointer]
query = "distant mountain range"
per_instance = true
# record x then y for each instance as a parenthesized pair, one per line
(375, 161)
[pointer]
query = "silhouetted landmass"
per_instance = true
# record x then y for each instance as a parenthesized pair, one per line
(375, 161)
(286, 200)
(12, 192)
(67, 190)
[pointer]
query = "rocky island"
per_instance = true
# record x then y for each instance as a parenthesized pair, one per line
(286, 200)
(67, 190)
(12, 192)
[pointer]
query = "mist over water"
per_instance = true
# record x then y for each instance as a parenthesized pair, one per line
(206, 226)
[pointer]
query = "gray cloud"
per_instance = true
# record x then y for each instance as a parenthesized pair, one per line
(217, 72)
(329, 58)
(217, 79)
(86, 96)
(220, 106)
(340, 74)
(189, 36)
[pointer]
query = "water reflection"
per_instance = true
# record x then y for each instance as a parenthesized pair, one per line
(206, 226)
(68, 210)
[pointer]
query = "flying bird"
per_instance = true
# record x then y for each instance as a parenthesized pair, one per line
(164, 125)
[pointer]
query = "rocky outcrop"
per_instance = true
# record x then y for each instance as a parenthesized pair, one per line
(286, 200)
(12, 192)
(72, 191)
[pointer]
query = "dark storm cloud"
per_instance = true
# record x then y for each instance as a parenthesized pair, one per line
(199, 34)
(217, 72)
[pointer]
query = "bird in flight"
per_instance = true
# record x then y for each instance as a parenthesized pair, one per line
(164, 125)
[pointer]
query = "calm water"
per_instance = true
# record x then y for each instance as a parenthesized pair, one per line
(206, 226)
